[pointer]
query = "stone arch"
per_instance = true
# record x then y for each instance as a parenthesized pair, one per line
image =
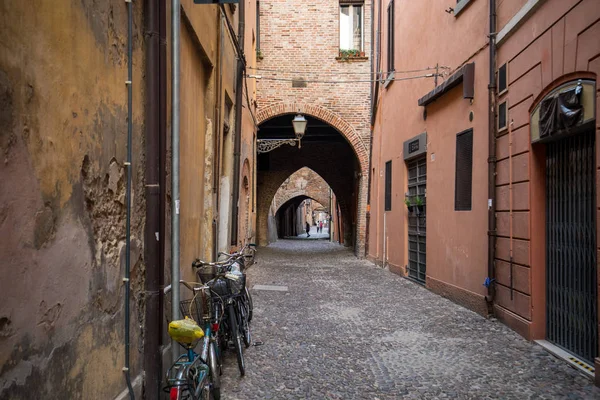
(342, 126)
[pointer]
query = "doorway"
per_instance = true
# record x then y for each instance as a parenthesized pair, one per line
(571, 290)
(417, 239)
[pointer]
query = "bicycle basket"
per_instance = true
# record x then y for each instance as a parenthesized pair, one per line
(198, 308)
(206, 273)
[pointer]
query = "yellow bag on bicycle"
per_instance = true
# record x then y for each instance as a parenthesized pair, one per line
(185, 331)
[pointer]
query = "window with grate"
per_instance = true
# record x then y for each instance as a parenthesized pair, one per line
(390, 44)
(464, 171)
(502, 78)
(388, 186)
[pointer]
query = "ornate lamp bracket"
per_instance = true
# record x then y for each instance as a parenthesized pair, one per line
(267, 145)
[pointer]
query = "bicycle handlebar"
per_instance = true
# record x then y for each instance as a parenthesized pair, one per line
(193, 286)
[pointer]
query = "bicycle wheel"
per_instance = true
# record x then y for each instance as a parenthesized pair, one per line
(244, 325)
(248, 299)
(214, 371)
(236, 337)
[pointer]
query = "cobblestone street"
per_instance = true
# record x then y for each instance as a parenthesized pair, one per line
(346, 329)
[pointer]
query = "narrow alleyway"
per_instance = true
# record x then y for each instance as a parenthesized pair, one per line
(345, 329)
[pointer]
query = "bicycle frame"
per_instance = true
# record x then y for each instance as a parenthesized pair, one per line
(193, 367)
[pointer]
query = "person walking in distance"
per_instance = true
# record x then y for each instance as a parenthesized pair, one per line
(307, 229)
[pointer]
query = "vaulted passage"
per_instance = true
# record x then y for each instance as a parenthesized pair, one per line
(323, 150)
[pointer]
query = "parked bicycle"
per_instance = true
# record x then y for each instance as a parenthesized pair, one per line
(245, 257)
(228, 286)
(195, 376)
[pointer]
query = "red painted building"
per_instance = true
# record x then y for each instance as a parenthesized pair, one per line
(486, 172)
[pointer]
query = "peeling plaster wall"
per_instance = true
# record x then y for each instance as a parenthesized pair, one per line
(63, 127)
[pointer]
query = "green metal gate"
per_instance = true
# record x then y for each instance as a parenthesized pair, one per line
(417, 184)
(571, 245)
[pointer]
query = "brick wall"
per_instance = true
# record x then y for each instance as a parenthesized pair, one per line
(303, 42)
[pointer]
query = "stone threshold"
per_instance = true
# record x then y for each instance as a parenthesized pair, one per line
(573, 361)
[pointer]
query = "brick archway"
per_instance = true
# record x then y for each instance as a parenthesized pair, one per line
(301, 193)
(325, 115)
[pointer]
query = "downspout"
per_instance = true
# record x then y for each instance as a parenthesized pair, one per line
(218, 135)
(152, 333)
(377, 75)
(238, 125)
(369, 177)
(162, 112)
(490, 282)
(126, 369)
(175, 75)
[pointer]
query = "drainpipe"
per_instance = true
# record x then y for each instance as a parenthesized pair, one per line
(492, 162)
(377, 75)
(152, 238)
(218, 135)
(162, 112)
(175, 75)
(126, 369)
(368, 213)
(238, 124)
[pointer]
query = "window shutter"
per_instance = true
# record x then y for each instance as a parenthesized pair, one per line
(464, 171)
(502, 78)
(388, 185)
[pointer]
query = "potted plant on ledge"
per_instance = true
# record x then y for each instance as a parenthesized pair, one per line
(420, 204)
(408, 204)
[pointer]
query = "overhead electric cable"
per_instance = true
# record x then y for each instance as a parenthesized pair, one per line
(347, 81)
(344, 73)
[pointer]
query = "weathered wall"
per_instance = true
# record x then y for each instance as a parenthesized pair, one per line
(305, 44)
(456, 249)
(63, 127)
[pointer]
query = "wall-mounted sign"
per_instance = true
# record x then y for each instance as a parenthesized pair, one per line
(564, 111)
(415, 147)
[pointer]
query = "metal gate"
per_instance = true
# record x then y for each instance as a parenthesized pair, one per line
(417, 184)
(571, 245)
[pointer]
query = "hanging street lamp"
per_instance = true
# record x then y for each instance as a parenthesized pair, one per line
(267, 145)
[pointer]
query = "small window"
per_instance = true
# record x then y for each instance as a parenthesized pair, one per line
(464, 171)
(388, 186)
(351, 27)
(390, 44)
(502, 79)
(502, 116)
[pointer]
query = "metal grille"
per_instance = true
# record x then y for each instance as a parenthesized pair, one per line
(571, 245)
(417, 185)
